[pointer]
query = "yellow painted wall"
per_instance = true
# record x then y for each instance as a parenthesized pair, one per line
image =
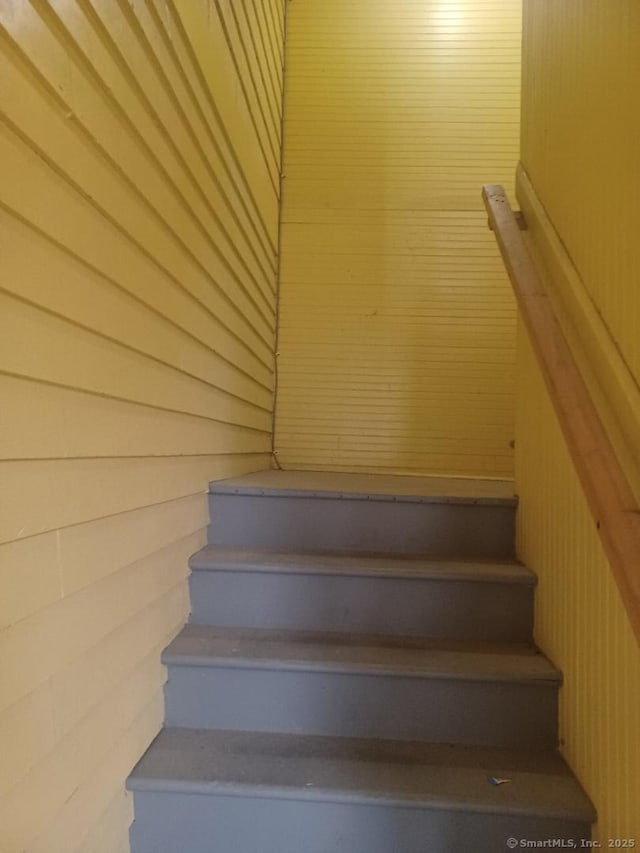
(580, 138)
(397, 325)
(581, 127)
(139, 164)
(580, 621)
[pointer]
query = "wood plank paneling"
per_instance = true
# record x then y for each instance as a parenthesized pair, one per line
(581, 623)
(580, 122)
(139, 213)
(397, 326)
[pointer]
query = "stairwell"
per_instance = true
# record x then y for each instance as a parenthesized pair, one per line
(357, 673)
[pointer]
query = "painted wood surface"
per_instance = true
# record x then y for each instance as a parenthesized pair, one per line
(140, 159)
(604, 482)
(580, 194)
(581, 623)
(397, 324)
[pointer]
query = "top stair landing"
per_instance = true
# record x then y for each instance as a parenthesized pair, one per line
(438, 517)
(329, 484)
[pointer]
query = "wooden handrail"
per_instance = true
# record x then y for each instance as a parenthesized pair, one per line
(607, 490)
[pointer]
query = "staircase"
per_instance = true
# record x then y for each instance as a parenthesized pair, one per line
(357, 667)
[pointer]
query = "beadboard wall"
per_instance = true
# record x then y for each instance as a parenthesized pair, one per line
(580, 191)
(581, 623)
(397, 324)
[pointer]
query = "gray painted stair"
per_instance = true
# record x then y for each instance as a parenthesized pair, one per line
(320, 512)
(365, 593)
(357, 664)
(353, 686)
(248, 793)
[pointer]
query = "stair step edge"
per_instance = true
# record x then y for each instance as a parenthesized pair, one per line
(371, 497)
(460, 788)
(310, 793)
(353, 669)
(364, 486)
(204, 646)
(217, 558)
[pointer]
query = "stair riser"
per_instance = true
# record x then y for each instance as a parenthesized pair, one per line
(433, 529)
(362, 705)
(367, 605)
(176, 823)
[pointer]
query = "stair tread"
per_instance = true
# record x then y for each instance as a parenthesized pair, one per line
(204, 645)
(349, 564)
(368, 487)
(358, 770)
